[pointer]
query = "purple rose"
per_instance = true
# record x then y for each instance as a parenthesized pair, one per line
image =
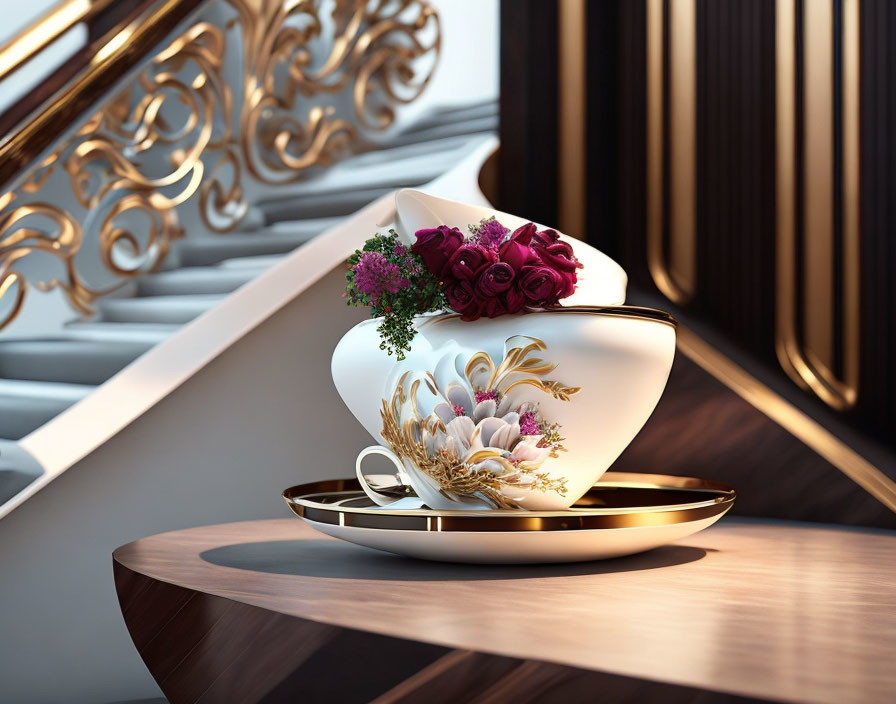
(517, 254)
(463, 299)
(493, 307)
(435, 245)
(568, 286)
(559, 256)
(523, 235)
(544, 238)
(467, 260)
(514, 300)
(495, 279)
(541, 285)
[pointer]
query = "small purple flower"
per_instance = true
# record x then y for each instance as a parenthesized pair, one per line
(529, 424)
(399, 250)
(491, 234)
(412, 266)
(485, 396)
(376, 275)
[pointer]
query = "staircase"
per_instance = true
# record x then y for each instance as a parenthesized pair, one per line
(42, 376)
(199, 390)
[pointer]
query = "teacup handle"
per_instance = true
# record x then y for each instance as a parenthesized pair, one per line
(398, 489)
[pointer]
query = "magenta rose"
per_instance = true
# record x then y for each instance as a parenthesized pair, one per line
(514, 300)
(495, 279)
(524, 234)
(559, 256)
(544, 238)
(517, 255)
(568, 285)
(493, 307)
(463, 299)
(467, 260)
(516, 250)
(435, 245)
(541, 285)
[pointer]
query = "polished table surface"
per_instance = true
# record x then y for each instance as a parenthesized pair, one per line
(770, 610)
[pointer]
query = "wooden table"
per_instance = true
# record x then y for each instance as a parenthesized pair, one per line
(273, 611)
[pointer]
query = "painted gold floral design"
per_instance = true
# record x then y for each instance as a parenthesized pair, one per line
(476, 429)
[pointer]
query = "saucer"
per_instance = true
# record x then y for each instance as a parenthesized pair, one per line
(623, 514)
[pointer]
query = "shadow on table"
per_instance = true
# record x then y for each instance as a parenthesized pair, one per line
(328, 558)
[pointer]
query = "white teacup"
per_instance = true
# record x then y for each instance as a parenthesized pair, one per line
(590, 373)
(593, 374)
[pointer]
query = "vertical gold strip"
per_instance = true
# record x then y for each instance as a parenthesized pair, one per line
(785, 179)
(806, 352)
(818, 181)
(675, 278)
(571, 101)
(683, 144)
(851, 185)
(655, 147)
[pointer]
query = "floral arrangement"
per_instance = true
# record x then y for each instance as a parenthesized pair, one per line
(489, 272)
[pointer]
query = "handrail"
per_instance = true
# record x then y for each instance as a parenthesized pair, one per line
(45, 30)
(120, 42)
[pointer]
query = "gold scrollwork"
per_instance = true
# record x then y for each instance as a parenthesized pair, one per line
(108, 164)
(193, 125)
(38, 228)
(374, 51)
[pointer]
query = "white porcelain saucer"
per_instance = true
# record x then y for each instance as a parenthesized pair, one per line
(621, 515)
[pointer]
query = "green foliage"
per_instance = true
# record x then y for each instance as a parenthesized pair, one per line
(396, 287)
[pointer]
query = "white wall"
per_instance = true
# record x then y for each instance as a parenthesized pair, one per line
(469, 71)
(261, 417)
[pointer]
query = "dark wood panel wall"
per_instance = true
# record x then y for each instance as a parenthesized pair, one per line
(877, 408)
(529, 63)
(736, 170)
(735, 303)
(735, 159)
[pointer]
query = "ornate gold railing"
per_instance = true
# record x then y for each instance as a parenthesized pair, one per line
(248, 93)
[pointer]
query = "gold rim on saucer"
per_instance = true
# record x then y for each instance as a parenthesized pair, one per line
(619, 500)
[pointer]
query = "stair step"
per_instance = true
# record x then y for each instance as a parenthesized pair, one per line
(354, 183)
(203, 251)
(258, 263)
(335, 206)
(390, 154)
(426, 134)
(393, 168)
(252, 220)
(147, 333)
(195, 279)
(156, 309)
(455, 115)
(67, 360)
(27, 405)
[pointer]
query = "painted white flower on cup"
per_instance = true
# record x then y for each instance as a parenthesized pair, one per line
(474, 429)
